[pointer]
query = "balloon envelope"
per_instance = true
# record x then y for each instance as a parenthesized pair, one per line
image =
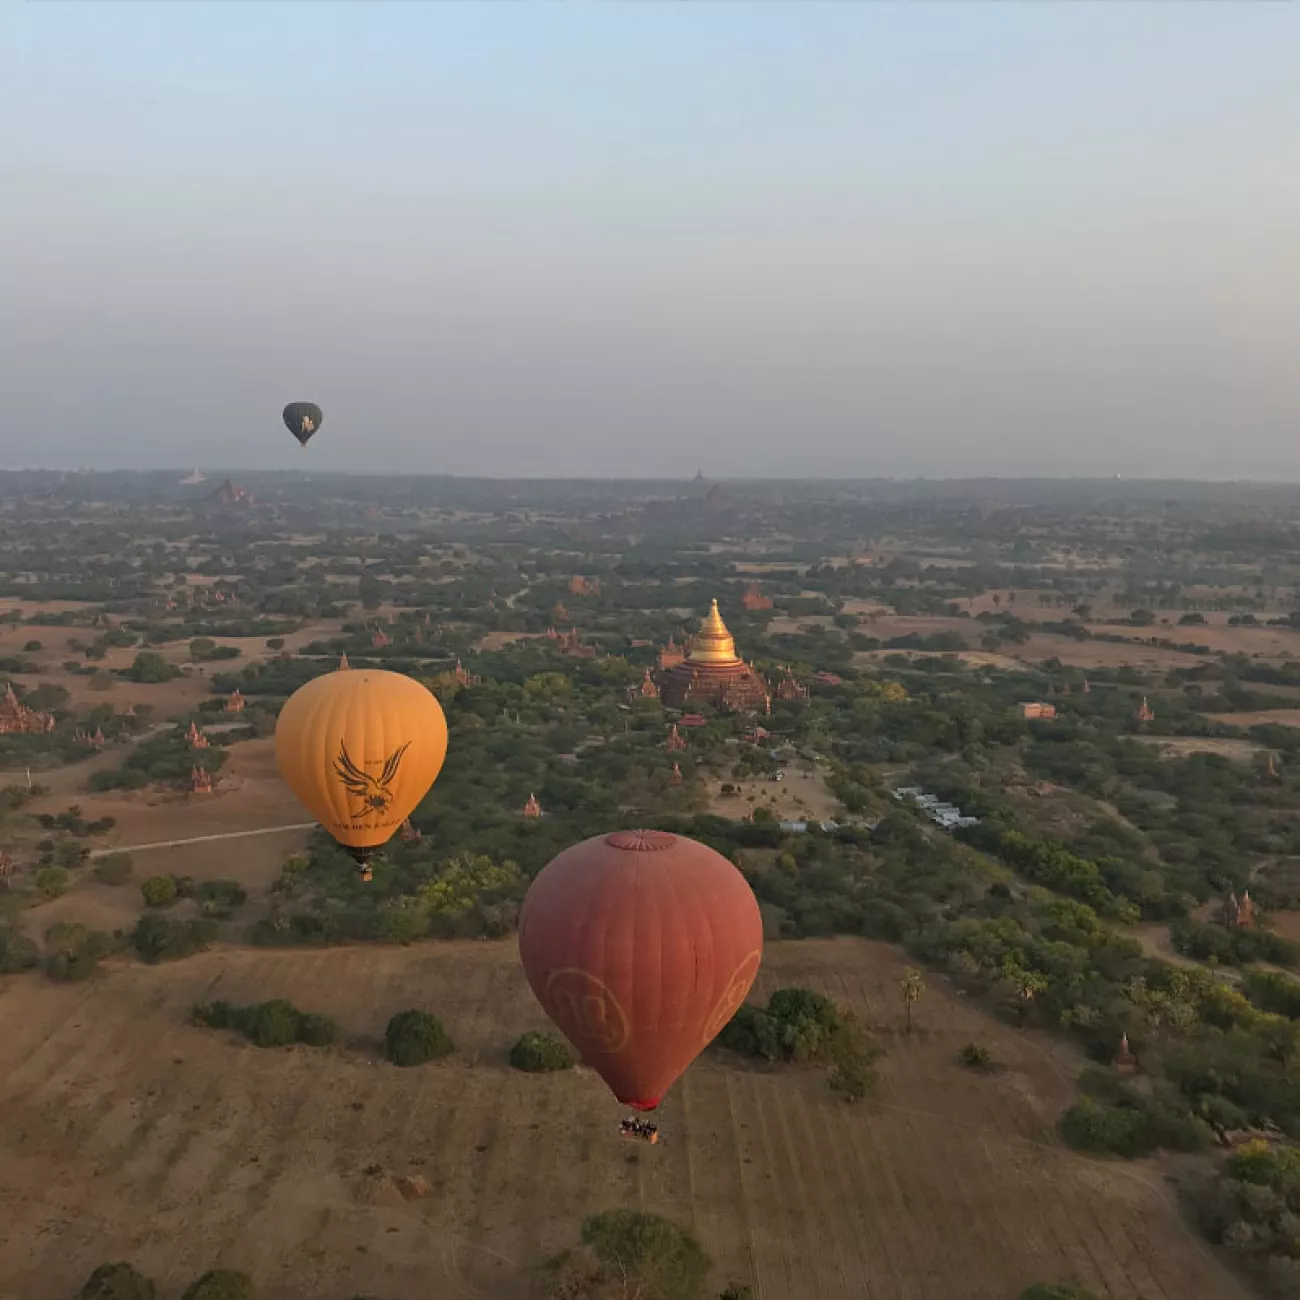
(640, 946)
(361, 748)
(302, 419)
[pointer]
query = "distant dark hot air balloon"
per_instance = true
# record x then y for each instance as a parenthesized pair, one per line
(640, 946)
(302, 419)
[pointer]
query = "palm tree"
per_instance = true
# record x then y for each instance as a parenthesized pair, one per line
(910, 988)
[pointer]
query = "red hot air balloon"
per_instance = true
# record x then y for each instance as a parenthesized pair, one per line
(640, 946)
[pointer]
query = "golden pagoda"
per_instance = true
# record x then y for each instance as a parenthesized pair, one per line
(713, 673)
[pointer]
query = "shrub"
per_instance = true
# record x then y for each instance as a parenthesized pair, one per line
(539, 1052)
(271, 1024)
(215, 1015)
(156, 938)
(159, 891)
(414, 1037)
(75, 951)
(52, 881)
(220, 1284)
(117, 1282)
(17, 951)
(114, 869)
(854, 1057)
(316, 1030)
(974, 1057)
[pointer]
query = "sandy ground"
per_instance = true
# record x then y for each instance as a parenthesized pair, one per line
(129, 1134)
(800, 795)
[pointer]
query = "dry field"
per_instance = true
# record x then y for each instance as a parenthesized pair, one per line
(801, 794)
(1282, 717)
(129, 1134)
(1180, 746)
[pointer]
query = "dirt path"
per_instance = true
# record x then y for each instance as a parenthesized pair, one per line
(202, 839)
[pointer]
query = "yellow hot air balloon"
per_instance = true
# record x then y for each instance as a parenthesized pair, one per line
(360, 748)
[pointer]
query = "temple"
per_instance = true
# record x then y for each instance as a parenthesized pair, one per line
(235, 702)
(712, 673)
(532, 808)
(17, 719)
(580, 586)
(788, 688)
(1125, 1061)
(1238, 913)
(464, 677)
(1144, 713)
(646, 689)
(676, 742)
(200, 780)
(754, 600)
(409, 833)
(196, 738)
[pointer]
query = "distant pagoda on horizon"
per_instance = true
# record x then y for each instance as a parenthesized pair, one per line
(713, 673)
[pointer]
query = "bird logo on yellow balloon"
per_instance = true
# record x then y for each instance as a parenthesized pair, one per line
(371, 796)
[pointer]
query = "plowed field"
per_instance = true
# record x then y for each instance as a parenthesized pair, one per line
(125, 1133)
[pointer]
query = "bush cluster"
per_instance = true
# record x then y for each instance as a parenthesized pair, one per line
(276, 1023)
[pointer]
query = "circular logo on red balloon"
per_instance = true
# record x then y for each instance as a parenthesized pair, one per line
(738, 986)
(587, 1010)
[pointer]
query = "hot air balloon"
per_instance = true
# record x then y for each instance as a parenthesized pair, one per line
(302, 419)
(360, 749)
(640, 946)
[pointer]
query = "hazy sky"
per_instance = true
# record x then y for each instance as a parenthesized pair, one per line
(607, 239)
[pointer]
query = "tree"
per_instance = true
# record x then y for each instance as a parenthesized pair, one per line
(1025, 984)
(632, 1255)
(220, 1284)
(117, 1282)
(910, 989)
(854, 1057)
(158, 891)
(414, 1037)
(150, 666)
(52, 881)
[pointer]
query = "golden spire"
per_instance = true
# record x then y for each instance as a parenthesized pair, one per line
(713, 644)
